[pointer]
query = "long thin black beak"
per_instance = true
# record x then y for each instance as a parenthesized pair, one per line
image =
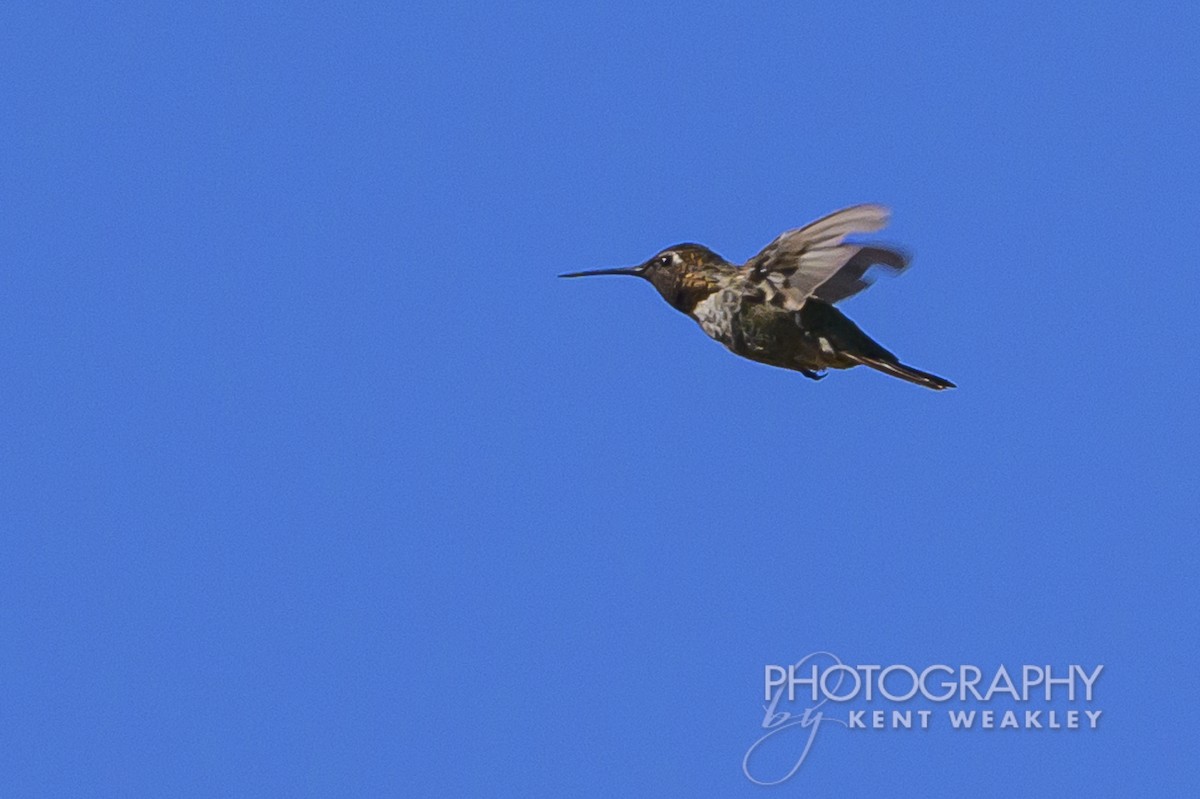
(636, 271)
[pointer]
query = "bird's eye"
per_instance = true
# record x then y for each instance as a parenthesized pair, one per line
(664, 260)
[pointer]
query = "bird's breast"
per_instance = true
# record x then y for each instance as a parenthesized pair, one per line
(757, 330)
(717, 314)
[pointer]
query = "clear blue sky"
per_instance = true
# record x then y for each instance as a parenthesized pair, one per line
(318, 482)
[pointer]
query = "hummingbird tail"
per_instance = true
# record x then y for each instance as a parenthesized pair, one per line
(897, 369)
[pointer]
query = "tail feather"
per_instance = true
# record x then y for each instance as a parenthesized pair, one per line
(904, 372)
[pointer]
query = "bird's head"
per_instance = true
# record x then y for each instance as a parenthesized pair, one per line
(683, 274)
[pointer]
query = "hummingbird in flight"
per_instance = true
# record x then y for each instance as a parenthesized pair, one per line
(778, 307)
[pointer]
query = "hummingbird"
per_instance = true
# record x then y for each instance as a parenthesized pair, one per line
(778, 307)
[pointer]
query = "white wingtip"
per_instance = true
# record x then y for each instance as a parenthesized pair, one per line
(866, 218)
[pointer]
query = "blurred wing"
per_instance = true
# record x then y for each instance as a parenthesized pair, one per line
(792, 268)
(852, 278)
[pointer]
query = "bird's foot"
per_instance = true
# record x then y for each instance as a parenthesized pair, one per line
(811, 375)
